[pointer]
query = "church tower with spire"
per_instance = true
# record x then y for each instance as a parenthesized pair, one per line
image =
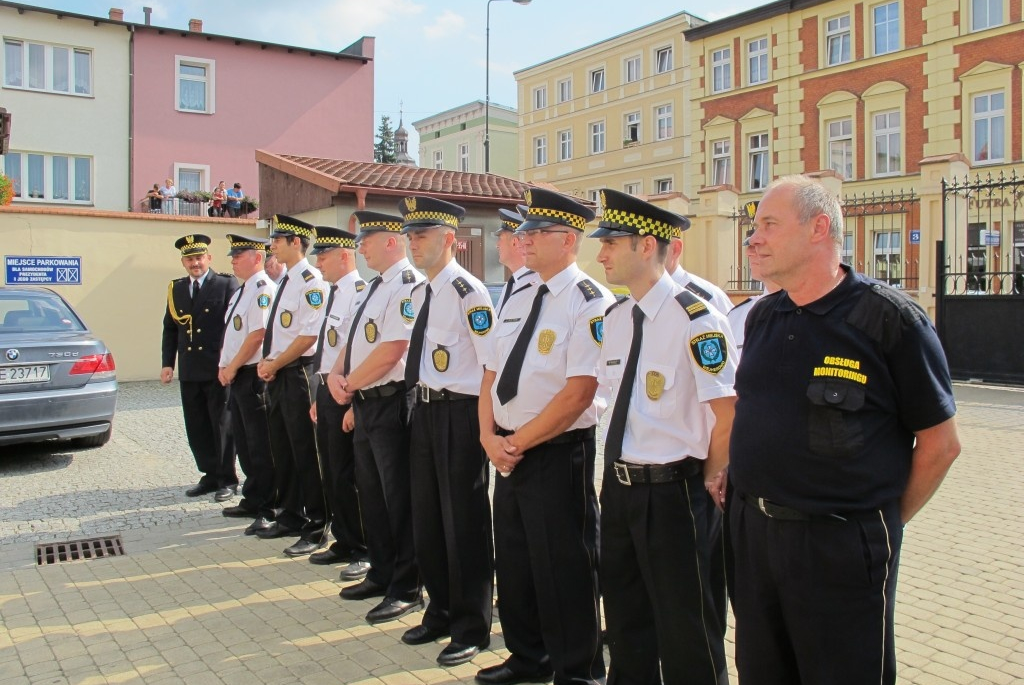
(402, 155)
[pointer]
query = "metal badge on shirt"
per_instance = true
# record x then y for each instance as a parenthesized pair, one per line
(655, 382)
(286, 319)
(370, 331)
(546, 341)
(237, 322)
(441, 357)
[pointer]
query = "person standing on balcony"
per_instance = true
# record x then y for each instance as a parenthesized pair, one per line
(220, 195)
(168, 193)
(234, 202)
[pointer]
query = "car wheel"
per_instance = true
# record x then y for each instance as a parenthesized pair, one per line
(94, 440)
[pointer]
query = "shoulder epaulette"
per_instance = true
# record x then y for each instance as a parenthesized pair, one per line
(307, 275)
(360, 284)
(519, 290)
(260, 284)
(695, 307)
(698, 291)
(743, 303)
(462, 286)
(589, 290)
(419, 285)
(618, 300)
(408, 276)
(881, 313)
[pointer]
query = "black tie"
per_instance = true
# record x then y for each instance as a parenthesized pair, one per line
(268, 337)
(195, 290)
(355, 322)
(617, 424)
(232, 313)
(508, 383)
(508, 291)
(318, 357)
(412, 360)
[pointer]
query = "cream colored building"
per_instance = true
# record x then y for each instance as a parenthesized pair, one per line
(615, 114)
(454, 139)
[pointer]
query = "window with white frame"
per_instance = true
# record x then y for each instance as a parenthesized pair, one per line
(757, 61)
(663, 185)
(837, 40)
(597, 80)
(887, 143)
(663, 60)
(840, 147)
(758, 156)
(721, 161)
(631, 189)
(51, 68)
(595, 196)
(631, 68)
(464, 157)
(886, 25)
(565, 145)
(597, 137)
(39, 177)
(721, 70)
(540, 97)
(663, 122)
(988, 115)
(985, 14)
(846, 253)
(565, 90)
(540, 150)
(631, 131)
(194, 85)
(438, 159)
(888, 258)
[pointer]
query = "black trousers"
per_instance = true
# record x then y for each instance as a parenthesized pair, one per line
(208, 428)
(814, 599)
(293, 443)
(451, 515)
(717, 561)
(337, 457)
(545, 532)
(382, 476)
(247, 404)
(659, 606)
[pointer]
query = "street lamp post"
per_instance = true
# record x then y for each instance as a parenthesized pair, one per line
(487, 86)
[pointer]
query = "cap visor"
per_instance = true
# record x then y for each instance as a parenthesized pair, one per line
(609, 233)
(534, 224)
(421, 226)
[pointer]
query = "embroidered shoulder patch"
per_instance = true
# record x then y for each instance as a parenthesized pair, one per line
(315, 298)
(480, 320)
(709, 350)
(462, 286)
(360, 285)
(307, 275)
(263, 301)
(408, 276)
(589, 290)
(405, 308)
(698, 291)
(597, 329)
(618, 300)
(694, 307)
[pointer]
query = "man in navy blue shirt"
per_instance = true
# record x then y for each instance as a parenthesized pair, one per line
(844, 429)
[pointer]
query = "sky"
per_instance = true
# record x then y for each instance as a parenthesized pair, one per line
(430, 54)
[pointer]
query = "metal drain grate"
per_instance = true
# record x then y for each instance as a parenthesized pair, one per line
(79, 550)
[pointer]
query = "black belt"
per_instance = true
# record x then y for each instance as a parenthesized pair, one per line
(777, 511)
(639, 474)
(426, 394)
(386, 390)
(301, 361)
(578, 435)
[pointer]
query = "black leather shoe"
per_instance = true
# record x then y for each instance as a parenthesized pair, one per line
(363, 590)
(225, 493)
(200, 489)
(329, 556)
(421, 635)
(357, 570)
(503, 674)
(261, 523)
(276, 530)
(237, 512)
(391, 609)
(457, 653)
(303, 547)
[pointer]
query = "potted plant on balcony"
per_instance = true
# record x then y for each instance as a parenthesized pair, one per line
(249, 205)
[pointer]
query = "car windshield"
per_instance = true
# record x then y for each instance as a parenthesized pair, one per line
(35, 312)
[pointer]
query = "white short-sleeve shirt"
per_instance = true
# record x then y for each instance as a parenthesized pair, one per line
(339, 318)
(703, 288)
(248, 311)
(300, 308)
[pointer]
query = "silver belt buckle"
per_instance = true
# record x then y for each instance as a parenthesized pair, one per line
(424, 393)
(621, 473)
(760, 505)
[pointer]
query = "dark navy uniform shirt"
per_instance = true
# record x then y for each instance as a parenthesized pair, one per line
(829, 395)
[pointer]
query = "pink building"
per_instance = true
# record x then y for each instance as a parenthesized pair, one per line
(202, 104)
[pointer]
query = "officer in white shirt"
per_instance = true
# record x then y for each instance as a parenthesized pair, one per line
(245, 324)
(288, 348)
(537, 416)
(668, 438)
(738, 314)
(335, 252)
(370, 373)
(510, 254)
(451, 510)
(701, 287)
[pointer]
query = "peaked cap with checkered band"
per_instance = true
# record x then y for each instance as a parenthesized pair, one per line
(329, 237)
(240, 243)
(622, 214)
(547, 208)
(420, 211)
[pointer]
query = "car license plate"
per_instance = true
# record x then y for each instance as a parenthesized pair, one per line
(24, 374)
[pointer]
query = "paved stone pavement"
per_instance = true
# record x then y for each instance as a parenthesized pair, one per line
(196, 601)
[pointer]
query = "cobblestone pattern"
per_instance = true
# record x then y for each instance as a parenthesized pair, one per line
(195, 601)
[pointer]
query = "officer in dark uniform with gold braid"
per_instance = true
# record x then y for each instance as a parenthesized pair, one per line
(193, 331)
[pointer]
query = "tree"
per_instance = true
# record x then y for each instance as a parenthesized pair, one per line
(384, 147)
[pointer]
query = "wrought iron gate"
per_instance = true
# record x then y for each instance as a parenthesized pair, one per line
(980, 277)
